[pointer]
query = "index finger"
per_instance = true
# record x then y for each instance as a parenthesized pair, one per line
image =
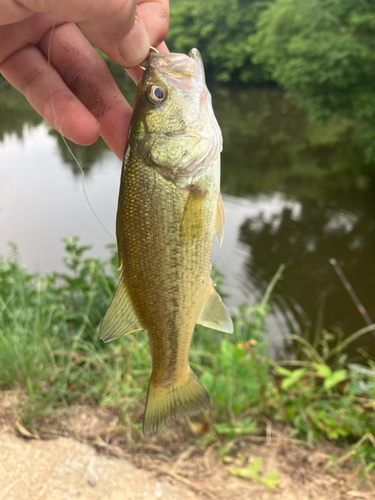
(111, 25)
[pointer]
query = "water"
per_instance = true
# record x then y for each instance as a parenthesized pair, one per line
(294, 193)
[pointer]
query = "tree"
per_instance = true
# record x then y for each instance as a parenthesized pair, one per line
(324, 51)
(220, 30)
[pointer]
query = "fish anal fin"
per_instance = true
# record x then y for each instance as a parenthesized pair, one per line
(220, 220)
(214, 314)
(193, 217)
(120, 318)
(182, 399)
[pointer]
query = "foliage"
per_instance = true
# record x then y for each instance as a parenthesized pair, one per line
(253, 472)
(240, 428)
(321, 399)
(15, 111)
(220, 30)
(46, 321)
(49, 347)
(267, 135)
(323, 50)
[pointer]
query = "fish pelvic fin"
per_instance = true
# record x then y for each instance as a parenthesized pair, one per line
(120, 318)
(182, 399)
(214, 314)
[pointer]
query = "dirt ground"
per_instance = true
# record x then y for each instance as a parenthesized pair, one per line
(84, 452)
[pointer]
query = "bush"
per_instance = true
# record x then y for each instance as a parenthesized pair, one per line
(323, 50)
(49, 348)
(220, 30)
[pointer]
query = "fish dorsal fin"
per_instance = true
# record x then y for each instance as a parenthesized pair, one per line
(120, 318)
(220, 220)
(214, 314)
(193, 217)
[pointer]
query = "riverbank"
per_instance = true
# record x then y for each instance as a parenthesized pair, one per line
(50, 354)
(88, 444)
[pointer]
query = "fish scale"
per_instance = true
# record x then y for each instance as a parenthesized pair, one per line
(169, 210)
(163, 267)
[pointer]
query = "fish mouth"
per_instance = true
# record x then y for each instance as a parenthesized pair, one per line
(177, 65)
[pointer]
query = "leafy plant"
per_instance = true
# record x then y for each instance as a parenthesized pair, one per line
(253, 473)
(330, 378)
(49, 347)
(325, 400)
(323, 51)
(220, 30)
(242, 428)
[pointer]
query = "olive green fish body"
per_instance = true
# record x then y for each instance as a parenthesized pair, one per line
(169, 210)
(168, 276)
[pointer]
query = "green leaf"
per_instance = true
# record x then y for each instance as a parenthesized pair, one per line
(30, 387)
(270, 480)
(335, 379)
(225, 429)
(250, 472)
(283, 371)
(257, 464)
(224, 450)
(242, 428)
(324, 370)
(287, 383)
(207, 380)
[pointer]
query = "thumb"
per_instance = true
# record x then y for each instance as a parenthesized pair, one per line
(124, 39)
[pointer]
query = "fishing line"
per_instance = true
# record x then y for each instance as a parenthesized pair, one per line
(63, 138)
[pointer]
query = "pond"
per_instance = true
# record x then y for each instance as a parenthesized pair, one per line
(294, 192)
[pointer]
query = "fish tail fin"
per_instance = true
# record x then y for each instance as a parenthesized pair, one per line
(184, 399)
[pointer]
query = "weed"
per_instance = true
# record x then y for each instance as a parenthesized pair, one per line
(49, 347)
(253, 473)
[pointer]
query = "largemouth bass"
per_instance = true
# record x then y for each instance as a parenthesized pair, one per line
(169, 210)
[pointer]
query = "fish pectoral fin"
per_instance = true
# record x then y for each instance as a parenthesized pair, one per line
(214, 314)
(220, 220)
(193, 217)
(120, 318)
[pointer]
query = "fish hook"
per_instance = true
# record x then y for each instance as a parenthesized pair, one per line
(151, 48)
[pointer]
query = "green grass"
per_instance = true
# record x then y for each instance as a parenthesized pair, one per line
(49, 348)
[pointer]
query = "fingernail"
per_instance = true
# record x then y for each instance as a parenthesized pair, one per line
(135, 47)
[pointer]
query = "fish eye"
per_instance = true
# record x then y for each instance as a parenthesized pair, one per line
(156, 94)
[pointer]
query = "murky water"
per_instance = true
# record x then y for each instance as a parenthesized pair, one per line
(292, 190)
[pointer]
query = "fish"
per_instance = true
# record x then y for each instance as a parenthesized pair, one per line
(169, 210)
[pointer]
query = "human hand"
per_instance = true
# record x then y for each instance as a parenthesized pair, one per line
(87, 100)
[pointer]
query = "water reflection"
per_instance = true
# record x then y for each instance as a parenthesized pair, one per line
(270, 145)
(294, 192)
(90, 156)
(15, 112)
(305, 241)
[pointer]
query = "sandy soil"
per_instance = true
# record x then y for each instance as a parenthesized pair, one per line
(67, 469)
(94, 460)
